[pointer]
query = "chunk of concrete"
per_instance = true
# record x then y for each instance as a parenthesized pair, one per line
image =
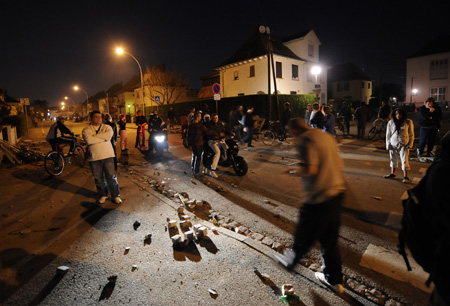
(62, 270)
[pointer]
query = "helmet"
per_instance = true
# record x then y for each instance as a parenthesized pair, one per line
(62, 117)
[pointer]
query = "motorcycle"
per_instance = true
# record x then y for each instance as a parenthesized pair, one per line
(158, 141)
(240, 166)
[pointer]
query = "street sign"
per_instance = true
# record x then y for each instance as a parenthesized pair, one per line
(216, 88)
(217, 97)
(158, 99)
(25, 101)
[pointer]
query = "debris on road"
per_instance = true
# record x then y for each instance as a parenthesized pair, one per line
(173, 223)
(136, 224)
(213, 293)
(289, 296)
(25, 232)
(376, 198)
(18, 154)
(62, 270)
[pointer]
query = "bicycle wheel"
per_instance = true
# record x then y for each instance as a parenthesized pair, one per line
(268, 137)
(54, 163)
(79, 156)
(373, 131)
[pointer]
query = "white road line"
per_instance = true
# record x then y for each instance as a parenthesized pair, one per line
(416, 180)
(394, 220)
(392, 265)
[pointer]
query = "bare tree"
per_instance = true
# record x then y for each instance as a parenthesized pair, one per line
(168, 85)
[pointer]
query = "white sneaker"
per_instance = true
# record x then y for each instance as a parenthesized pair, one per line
(117, 200)
(206, 171)
(338, 288)
(213, 174)
(102, 200)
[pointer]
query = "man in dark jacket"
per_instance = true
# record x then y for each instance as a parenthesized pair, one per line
(362, 115)
(384, 111)
(235, 122)
(430, 123)
(317, 118)
(56, 135)
(196, 141)
(346, 112)
(285, 117)
(249, 123)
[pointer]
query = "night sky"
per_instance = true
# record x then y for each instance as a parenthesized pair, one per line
(47, 48)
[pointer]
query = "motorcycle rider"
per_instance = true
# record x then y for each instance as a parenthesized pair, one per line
(156, 124)
(215, 136)
(56, 136)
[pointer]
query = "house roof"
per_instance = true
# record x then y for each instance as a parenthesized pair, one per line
(440, 44)
(5, 98)
(116, 88)
(255, 46)
(133, 83)
(346, 72)
(296, 36)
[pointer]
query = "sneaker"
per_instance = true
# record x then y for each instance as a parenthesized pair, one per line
(287, 261)
(389, 176)
(213, 174)
(406, 179)
(338, 288)
(117, 200)
(102, 200)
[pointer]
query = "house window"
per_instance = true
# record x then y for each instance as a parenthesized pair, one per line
(293, 92)
(346, 86)
(295, 72)
(279, 72)
(252, 71)
(236, 75)
(362, 84)
(439, 69)
(438, 93)
(368, 85)
(311, 50)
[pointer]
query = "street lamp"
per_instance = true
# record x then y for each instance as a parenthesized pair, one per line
(73, 103)
(414, 93)
(76, 88)
(316, 70)
(120, 51)
(129, 109)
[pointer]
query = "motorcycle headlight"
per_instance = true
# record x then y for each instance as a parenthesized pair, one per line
(160, 138)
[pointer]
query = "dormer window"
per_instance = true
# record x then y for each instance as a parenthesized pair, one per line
(236, 75)
(310, 49)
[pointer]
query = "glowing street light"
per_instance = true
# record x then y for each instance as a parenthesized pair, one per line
(120, 51)
(316, 70)
(76, 88)
(129, 109)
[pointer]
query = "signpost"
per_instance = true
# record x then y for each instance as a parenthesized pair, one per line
(216, 90)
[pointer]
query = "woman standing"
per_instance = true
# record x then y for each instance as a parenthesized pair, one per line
(123, 132)
(399, 139)
(329, 120)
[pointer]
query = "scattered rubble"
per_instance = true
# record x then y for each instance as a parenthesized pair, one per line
(18, 154)
(62, 270)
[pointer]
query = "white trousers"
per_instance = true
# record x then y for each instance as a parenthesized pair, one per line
(215, 145)
(403, 153)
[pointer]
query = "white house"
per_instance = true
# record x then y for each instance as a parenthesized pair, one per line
(350, 83)
(246, 71)
(427, 73)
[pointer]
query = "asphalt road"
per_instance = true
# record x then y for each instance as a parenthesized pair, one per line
(63, 225)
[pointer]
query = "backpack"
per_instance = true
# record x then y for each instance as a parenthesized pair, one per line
(418, 230)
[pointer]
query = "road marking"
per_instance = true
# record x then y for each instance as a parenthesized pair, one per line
(423, 170)
(392, 265)
(394, 220)
(416, 180)
(404, 196)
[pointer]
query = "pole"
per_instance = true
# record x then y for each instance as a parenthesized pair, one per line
(411, 92)
(275, 83)
(26, 116)
(142, 83)
(268, 77)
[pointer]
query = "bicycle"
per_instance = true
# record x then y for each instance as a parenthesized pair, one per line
(340, 127)
(56, 160)
(379, 127)
(269, 135)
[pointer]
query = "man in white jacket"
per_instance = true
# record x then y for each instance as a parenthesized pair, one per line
(101, 158)
(399, 140)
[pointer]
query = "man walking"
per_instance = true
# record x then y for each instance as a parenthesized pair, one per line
(362, 115)
(101, 158)
(249, 123)
(195, 140)
(320, 169)
(430, 123)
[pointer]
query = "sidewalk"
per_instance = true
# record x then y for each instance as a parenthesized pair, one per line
(164, 276)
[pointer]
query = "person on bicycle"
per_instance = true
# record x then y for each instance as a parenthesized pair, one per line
(399, 139)
(384, 111)
(56, 134)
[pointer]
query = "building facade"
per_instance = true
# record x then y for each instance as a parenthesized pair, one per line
(247, 73)
(427, 72)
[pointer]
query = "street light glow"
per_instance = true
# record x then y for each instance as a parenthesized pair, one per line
(316, 70)
(415, 91)
(75, 88)
(119, 51)
(62, 103)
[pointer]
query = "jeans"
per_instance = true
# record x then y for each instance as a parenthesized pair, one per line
(248, 137)
(361, 130)
(320, 222)
(427, 137)
(105, 177)
(196, 158)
